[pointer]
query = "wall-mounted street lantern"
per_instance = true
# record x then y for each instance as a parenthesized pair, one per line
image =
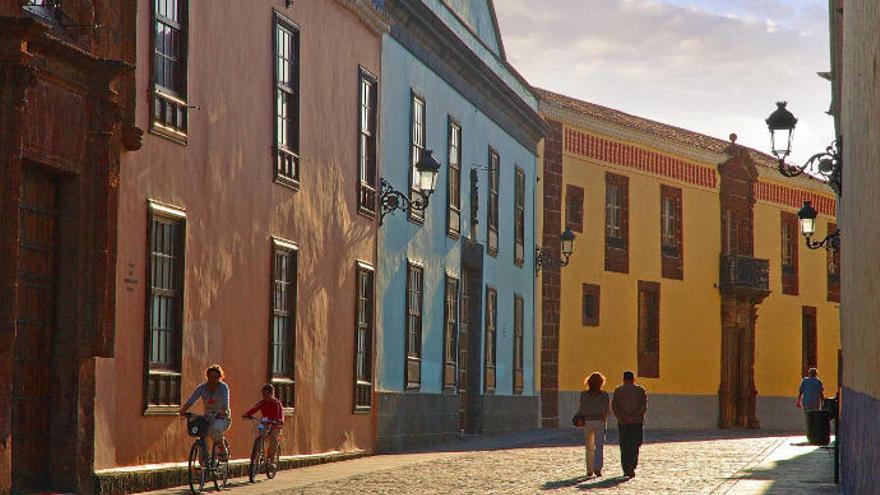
(543, 256)
(393, 200)
(827, 164)
(807, 215)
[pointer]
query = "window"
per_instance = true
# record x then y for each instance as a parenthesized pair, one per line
(649, 329)
(450, 335)
(616, 223)
(492, 236)
(519, 220)
(574, 208)
(169, 68)
(475, 203)
(414, 293)
(833, 268)
(809, 339)
(282, 352)
(287, 103)
(453, 199)
(367, 143)
(491, 340)
(418, 137)
(671, 245)
(363, 338)
(165, 273)
(789, 254)
(590, 308)
(518, 344)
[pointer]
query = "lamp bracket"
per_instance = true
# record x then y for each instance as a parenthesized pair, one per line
(393, 200)
(828, 165)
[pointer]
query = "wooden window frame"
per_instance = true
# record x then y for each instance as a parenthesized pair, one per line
(169, 116)
(285, 383)
(492, 213)
(518, 343)
(590, 292)
(617, 246)
(286, 150)
(649, 330)
(162, 384)
(833, 267)
(453, 188)
(368, 131)
(809, 339)
(450, 334)
(789, 242)
(414, 321)
(519, 217)
(364, 325)
(417, 144)
(574, 208)
(490, 355)
(671, 233)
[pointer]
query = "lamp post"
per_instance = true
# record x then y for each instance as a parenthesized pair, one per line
(827, 164)
(544, 257)
(393, 200)
(807, 215)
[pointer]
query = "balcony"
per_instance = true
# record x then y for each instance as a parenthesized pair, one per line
(744, 275)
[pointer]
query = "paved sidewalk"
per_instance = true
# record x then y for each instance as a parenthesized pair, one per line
(731, 462)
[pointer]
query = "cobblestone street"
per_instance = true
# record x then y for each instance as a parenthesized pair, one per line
(732, 462)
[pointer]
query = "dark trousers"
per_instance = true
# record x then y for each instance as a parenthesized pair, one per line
(630, 441)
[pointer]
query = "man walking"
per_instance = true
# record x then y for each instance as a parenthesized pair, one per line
(629, 404)
(810, 395)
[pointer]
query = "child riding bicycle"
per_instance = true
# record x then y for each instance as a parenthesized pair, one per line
(272, 413)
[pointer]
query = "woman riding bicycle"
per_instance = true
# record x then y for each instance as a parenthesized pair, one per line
(272, 412)
(215, 397)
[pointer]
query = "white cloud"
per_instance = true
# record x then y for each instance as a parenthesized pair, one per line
(683, 62)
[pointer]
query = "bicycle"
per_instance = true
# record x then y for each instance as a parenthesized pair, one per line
(201, 466)
(259, 459)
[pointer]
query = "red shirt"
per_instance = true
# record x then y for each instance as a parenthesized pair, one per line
(270, 409)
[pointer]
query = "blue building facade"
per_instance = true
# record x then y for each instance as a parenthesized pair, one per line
(456, 281)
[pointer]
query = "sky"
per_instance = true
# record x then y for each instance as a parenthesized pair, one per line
(710, 66)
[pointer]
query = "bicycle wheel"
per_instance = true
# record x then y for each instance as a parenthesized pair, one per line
(220, 473)
(272, 464)
(256, 459)
(197, 467)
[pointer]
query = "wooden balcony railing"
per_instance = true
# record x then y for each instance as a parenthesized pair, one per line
(744, 274)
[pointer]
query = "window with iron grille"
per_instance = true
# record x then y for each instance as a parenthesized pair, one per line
(833, 268)
(590, 308)
(519, 219)
(367, 143)
(518, 344)
(809, 339)
(450, 336)
(418, 137)
(363, 353)
(165, 269)
(491, 338)
(287, 103)
(789, 252)
(170, 68)
(414, 294)
(649, 329)
(282, 352)
(492, 213)
(574, 208)
(671, 245)
(453, 216)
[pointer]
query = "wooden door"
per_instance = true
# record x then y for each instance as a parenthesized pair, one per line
(35, 328)
(464, 310)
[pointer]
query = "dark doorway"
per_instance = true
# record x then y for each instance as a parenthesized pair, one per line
(37, 275)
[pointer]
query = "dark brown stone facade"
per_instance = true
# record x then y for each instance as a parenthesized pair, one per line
(60, 143)
(551, 276)
(743, 286)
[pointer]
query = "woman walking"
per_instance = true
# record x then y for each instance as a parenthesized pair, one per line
(595, 407)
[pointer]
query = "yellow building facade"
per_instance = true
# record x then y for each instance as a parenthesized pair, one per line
(688, 268)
